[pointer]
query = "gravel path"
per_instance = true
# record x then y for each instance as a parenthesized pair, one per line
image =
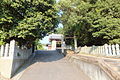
(50, 65)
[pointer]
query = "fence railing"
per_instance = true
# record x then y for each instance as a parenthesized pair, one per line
(105, 50)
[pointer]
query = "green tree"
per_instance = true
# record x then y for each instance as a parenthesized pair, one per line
(94, 22)
(59, 30)
(26, 20)
(38, 45)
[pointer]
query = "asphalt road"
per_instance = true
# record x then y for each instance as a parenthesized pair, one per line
(51, 65)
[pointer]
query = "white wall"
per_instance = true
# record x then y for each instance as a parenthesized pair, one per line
(11, 58)
(105, 50)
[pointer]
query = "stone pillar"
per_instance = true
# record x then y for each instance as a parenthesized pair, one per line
(93, 49)
(110, 50)
(6, 50)
(117, 49)
(82, 49)
(106, 49)
(89, 48)
(54, 45)
(85, 49)
(113, 50)
(6, 64)
(2, 51)
(99, 50)
(12, 48)
(103, 50)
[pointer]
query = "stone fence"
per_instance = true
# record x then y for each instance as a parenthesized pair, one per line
(12, 58)
(96, 68)
(105, 50)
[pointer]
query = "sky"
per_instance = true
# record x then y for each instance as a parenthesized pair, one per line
(45, 40)
(57, 0)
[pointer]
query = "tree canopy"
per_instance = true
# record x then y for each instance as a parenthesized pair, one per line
(59, 30)
(94, 22)
(26, 20)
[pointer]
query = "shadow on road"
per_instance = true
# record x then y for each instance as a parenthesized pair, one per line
(39, 56)
(47, 56)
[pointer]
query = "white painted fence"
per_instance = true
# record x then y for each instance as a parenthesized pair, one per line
(105, 50)
(11, 58)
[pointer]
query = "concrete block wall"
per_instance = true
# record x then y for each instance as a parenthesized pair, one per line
(93, 71)
(11, 58)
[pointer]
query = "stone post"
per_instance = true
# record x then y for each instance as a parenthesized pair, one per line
(12, 48)
(103, 50)
(85, 49)
(88, 50)
(6, 50)
(106, 49)
(7, 62)
(2, 51)
(99, 50)
(113, 50)
(93, 49)
(110, 50)
(117, 49)
(82, 49)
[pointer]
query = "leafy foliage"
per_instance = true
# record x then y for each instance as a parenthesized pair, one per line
(26, 20)
(94, 22)
(38, 45)
(59, 30)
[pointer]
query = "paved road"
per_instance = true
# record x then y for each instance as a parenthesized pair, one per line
(50, 65)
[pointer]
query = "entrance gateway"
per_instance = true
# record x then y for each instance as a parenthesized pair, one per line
(57, 41)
